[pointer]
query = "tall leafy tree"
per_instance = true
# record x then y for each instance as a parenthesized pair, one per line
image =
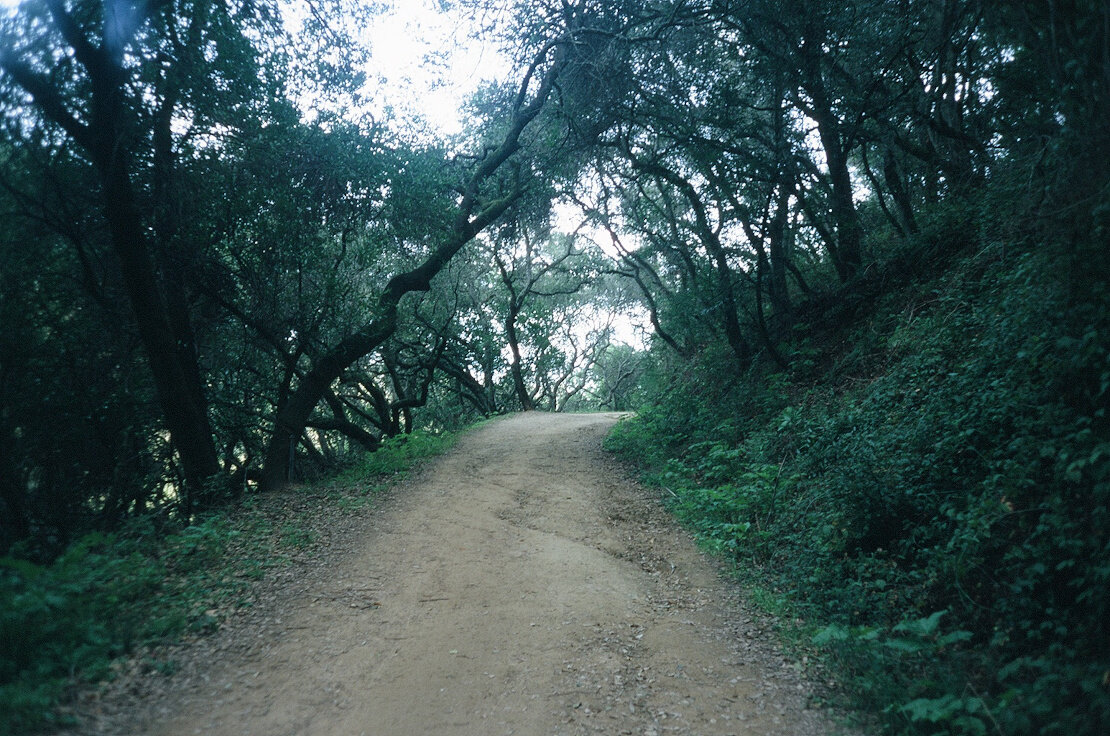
(493, 184)
(91, 71)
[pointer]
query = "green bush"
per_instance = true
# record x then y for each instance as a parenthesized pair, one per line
(67, 621)
(397, 454)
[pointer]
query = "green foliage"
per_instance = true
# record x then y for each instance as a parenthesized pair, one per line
(67, 621)
(730, 502)
(638, 437)
(398, 454)
(937, 498)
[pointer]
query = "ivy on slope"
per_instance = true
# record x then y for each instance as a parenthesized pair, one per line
(934, 504)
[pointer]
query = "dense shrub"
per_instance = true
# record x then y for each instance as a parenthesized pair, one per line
(66, 621)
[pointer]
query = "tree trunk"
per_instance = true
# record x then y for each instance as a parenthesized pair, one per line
(777, 255)
(293, 416)
(895, 182)
(847, 257)
(179, 394)
(516, 368)
(734, 333)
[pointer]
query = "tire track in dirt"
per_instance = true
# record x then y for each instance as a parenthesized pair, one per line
(522, 585)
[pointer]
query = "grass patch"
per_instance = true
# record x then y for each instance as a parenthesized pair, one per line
(396, 457)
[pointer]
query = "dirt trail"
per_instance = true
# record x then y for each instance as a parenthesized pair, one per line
(521, 586)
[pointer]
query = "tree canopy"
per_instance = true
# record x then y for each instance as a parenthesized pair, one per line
(219, 273)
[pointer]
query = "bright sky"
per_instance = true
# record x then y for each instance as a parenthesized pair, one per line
(427, 63)
(424, 59)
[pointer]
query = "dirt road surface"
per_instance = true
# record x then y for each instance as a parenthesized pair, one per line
(521, 585)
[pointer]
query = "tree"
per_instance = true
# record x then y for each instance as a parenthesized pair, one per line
(495, 183)
(473, 361)
(537, 267)
(619, 370)
(97, 97)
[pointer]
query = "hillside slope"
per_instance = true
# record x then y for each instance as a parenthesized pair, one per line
(927, 487)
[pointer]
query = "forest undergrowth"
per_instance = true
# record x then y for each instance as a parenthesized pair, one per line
(926, 489)
(65, 626)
